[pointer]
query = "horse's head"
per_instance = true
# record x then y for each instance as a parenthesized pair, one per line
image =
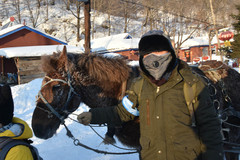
(98, 79)
(56, 98)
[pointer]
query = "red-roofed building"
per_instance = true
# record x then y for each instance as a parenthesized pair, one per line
(22, 36)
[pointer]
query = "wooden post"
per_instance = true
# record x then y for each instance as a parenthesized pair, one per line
(93, 21)
(2, 57)
(87, 23)
(18, 71)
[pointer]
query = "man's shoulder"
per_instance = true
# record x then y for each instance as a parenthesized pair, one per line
(189, 74)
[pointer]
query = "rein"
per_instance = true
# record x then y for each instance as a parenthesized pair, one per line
(76, 142)
(62, 117)
(92, 127)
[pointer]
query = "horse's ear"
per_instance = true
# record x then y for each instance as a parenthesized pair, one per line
(63, 58)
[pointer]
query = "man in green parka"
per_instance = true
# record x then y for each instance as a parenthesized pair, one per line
(167, 131)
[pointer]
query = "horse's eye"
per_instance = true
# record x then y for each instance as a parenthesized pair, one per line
(56, 86)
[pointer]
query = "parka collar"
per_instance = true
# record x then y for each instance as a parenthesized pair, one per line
(25, 132)
(186, 73)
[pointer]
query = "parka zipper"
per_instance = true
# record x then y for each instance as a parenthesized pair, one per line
(148, 112)
(158, 88)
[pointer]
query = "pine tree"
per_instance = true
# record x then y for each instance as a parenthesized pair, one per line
(236, 43)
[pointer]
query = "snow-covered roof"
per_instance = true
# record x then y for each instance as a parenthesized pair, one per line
(114, 43)
(10, 30)
(196, 41)
(200, 41)
(36, 50)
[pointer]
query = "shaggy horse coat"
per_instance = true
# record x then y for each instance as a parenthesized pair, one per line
(99, 82)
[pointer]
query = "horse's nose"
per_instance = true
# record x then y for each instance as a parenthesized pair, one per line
(41, 132)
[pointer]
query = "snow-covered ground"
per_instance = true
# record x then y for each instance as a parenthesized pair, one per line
(60, 146)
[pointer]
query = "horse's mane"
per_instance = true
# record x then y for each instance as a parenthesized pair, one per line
(89, 69)
(104, 68)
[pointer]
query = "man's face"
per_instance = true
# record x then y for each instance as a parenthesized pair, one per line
(156, 63)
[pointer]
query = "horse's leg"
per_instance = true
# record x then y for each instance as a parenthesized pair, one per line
(109, 135)
(111, 131)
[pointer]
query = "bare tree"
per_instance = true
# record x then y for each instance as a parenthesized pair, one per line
(47, 5)
(33, 14)
(39, 3)
(52, 2)
(128, 11)
(16, 4)
(68, 4)
(75, 9)
(4, 10)
(110, 8)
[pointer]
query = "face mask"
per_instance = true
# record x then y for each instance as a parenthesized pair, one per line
(156, 65)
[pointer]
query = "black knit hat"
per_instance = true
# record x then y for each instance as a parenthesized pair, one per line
(154, 40)
(6, 105)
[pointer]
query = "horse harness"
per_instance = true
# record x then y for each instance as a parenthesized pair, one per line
(64, 110)
(229, 110)
(223, 114)
(69, 98)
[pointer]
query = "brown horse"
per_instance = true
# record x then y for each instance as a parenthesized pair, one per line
(100, 82)
(71, 79)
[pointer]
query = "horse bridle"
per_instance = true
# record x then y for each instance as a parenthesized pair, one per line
(69, 98)
(62, 117)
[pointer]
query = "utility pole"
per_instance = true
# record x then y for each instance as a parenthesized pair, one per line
(87, 24)
(214, 23)
(211, 34)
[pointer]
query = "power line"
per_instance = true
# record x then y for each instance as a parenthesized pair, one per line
(172, 13)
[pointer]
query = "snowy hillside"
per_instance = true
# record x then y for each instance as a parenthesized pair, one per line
(61, 23)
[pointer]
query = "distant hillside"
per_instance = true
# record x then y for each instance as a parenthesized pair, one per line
(110, 17)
